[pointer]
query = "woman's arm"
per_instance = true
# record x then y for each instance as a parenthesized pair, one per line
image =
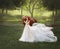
(27, 21)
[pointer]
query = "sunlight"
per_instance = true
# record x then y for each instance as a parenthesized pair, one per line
(14, 12)
(47, 14)
(17, 12)
(36, 13)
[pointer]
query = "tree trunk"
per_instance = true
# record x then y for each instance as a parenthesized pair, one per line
(56, 11)
(53, 13)
(6, 11)
(2, 10)
(21, 11)
(32, 14)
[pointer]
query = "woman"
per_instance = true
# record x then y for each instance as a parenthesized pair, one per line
(32, 20)
(37, 32)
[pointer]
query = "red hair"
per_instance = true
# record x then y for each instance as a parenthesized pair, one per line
(32, 20)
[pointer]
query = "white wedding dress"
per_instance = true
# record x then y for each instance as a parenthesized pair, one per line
(37, 33)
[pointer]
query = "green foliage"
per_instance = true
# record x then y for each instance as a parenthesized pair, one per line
(8, 4)
(51, 4)
(19, 3)
(32, 5)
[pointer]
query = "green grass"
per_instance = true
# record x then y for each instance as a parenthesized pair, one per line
(10, 34)
(8, 17)
(9, 39)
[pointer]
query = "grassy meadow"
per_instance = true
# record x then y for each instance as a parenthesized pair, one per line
(11, 29)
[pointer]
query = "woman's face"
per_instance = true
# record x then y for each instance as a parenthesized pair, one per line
(32, 20)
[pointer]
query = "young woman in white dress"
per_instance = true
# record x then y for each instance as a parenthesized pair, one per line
(37, 33)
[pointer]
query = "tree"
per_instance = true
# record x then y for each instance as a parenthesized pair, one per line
(31, 5)
(10, 4)
(52, 5)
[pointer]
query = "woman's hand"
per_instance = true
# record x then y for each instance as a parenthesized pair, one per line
(27, 21)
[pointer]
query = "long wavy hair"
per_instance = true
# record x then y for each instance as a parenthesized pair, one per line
(32, 20)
